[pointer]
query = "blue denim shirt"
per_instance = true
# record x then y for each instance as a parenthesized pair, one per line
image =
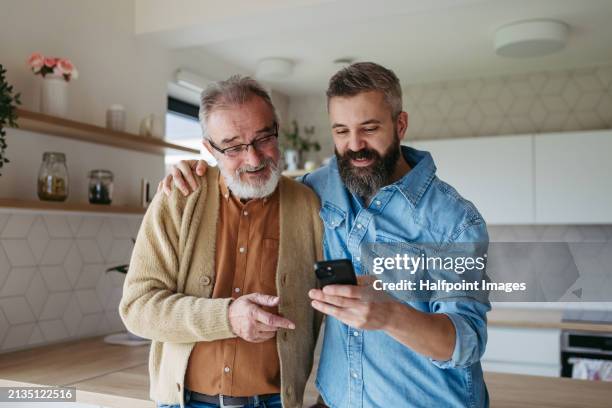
(364, 368)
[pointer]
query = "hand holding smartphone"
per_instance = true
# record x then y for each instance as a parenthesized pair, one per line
(336, 272)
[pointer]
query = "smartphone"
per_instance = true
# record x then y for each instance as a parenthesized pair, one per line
(336, 272)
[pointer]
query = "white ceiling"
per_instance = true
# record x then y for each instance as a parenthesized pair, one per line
(422, 41)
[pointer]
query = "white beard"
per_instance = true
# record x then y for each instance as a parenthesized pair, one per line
(245, 190)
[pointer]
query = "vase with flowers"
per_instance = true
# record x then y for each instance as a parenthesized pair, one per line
(56, 73)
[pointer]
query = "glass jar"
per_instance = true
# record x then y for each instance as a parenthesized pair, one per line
(53, 177)
(100, 186)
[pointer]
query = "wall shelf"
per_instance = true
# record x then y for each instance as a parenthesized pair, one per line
(67, 206)
(70, 129)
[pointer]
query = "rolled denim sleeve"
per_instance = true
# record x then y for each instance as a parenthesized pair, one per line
(469, 316)
(470, 321)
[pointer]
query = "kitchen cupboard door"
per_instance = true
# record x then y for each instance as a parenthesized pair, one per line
(573, 173)
(495, 173)
(523, 351)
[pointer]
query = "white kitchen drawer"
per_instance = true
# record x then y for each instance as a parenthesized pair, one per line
(522, 368)
(528, 346)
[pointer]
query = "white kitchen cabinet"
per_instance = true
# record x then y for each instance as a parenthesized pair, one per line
(573, 177)
(495, 173)
(523, 351)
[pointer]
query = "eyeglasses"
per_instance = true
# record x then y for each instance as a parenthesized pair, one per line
(259, 144)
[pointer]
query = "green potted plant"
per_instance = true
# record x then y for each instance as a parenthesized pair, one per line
(295, 145)
(8, 116)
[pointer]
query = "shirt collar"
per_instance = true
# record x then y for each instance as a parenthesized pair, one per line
(225, 192)
(412, 185)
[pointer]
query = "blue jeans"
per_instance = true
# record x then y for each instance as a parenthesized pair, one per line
(272, 402)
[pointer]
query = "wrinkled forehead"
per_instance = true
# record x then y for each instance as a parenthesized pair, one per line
(359, 108)
(240, 121)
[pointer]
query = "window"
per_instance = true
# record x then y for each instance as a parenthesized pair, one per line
(183, 128)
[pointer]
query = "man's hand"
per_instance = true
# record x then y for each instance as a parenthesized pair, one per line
(359, 306)
(250, 322)
(182, 174)
(363, 307)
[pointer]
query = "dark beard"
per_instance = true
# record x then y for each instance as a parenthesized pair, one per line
(366, 181)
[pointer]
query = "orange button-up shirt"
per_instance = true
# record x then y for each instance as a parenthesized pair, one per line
(245, 262)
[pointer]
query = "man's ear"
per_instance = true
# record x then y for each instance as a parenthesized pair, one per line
(402, 125)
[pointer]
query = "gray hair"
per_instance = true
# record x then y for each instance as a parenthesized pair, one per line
(367, 76)
(236, 90)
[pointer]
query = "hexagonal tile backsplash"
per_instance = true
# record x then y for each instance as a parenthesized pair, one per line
(53, 284)
(548, 101)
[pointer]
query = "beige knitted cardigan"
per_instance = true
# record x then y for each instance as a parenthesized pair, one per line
(166, 294)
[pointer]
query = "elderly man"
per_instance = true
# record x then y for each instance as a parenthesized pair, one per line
(378, 350)
(219, 280)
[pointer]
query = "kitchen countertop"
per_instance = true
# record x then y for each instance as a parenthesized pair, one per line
(104, 374)
(116, 376)
(541, 319)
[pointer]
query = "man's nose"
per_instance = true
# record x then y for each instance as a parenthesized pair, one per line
(356, 143)
(252, 156)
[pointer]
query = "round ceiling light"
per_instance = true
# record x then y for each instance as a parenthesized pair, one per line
(274, 68)
(343, 62)
(534, 38)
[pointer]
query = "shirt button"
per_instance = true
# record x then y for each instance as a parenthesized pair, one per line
(355, 375)
(358, 259)
(242, 249)
(226, 369)
(355, 333)
(227, 196)
(245, 213)
(205, 280)
(359, 226)
(377, 202)
(237, 290)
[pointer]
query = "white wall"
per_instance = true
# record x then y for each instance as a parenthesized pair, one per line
(115, 66)
(98, 36)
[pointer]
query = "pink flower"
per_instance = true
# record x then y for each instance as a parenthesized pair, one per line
(50, 62)
(36, 62)
(65, 66)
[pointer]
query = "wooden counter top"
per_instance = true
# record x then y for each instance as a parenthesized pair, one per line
(528, 391)
(104, 374)
(116, 376)
(540, 319)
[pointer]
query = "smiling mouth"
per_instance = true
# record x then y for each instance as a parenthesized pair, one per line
(256, 172)
(362, 162)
